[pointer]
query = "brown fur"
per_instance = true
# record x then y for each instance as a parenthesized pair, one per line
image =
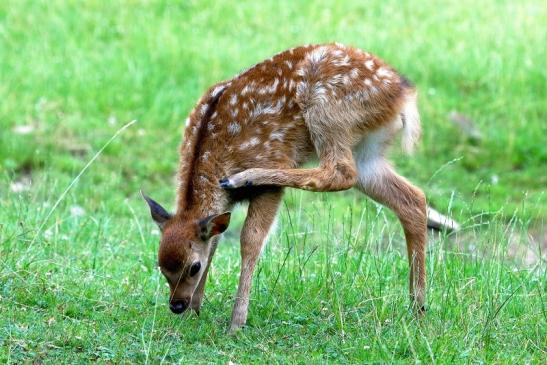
(253, 132)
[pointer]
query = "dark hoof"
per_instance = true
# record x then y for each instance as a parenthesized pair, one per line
(225, 183)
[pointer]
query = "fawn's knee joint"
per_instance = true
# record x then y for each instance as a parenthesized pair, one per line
(342, 177)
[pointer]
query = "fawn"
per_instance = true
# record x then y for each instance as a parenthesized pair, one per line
(246, 138)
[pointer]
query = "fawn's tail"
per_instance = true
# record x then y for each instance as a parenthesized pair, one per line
(410, 116)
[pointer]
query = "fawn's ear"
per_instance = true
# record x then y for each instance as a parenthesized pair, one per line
(213, 225)
(158, 213)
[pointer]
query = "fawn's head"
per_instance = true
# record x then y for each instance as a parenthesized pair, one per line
(184, 250)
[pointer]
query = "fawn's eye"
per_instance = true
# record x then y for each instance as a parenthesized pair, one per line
(194, 269)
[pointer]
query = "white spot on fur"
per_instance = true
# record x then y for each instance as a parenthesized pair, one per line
(341, 62)
(368, 82)
(203, 109)
(210, 126)
(250, 143)
(318, 54)
(346, 80)
(279, 71)
(273, 87)
(205, 155)
(291, 84)
(187, 122)
(354, 73)
(277, 135)
(248, 88)
(369, 64)
(289, 64)
(318, 91)
(233, 99)
(234, 112)
(218, 89)
(383, 72)
(266, 108)
(234, 128)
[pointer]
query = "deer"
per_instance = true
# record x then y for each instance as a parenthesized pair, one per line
(247, 139)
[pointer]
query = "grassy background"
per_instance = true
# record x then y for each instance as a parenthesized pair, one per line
(332, 283)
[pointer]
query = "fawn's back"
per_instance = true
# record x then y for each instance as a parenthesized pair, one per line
(259, 117)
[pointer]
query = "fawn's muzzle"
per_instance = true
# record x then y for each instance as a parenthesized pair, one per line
(178, 306)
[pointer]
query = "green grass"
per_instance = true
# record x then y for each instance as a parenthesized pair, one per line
(331, 285)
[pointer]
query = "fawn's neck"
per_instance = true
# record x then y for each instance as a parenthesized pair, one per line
(203, 195)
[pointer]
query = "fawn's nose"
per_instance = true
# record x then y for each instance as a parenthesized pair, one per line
(178, 306)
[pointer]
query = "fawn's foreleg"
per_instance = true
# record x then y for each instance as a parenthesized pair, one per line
(260, 216)
(197, 298)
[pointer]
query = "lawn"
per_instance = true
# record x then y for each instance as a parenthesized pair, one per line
(78, 275)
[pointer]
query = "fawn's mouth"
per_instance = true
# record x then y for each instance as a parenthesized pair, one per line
(178, 306)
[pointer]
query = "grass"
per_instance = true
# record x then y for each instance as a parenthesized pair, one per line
(331, 285)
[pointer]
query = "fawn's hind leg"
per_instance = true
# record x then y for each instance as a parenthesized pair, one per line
(378, 180)
(336, 170)
(260, 216)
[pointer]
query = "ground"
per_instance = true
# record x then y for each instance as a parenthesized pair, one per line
(78, 279)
